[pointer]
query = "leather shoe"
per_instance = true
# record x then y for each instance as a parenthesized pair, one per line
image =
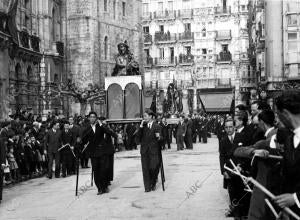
(49, 176)
(106, 190)
(99, 192)
(147, 190)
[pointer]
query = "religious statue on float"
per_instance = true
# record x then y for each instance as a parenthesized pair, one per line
(125, 63)
(173, 102)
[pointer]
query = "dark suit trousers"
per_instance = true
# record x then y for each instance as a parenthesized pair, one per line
(111, 167)
(237, 196)
(68, 162)
(1, 183)
(150, 167)
(100, 166)
(56, 157)
(180, 140)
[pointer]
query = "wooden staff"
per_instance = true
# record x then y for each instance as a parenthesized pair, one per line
(264, 190)
(85, 146)
(77, 176)
(269, 204)
(272, 196)
(239, 173)
(63, 147)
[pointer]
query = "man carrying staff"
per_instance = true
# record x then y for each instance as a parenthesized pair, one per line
(94, 139)
(149, 135)
(288, 110)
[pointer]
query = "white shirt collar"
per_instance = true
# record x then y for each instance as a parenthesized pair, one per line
(297, 132)
(150, 124)
(296, 137)
(93, 127)
(233, 135)
(240, 129)
(268, 131)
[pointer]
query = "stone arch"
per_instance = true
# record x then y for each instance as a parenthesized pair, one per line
(132, 101)
(115, 104)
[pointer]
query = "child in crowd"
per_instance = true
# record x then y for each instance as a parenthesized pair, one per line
(13, 166)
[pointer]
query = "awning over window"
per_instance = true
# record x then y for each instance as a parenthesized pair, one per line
(217, 102)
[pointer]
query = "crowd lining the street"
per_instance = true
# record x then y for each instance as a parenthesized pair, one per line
(25, 139)
(255, 141)
(262, 144)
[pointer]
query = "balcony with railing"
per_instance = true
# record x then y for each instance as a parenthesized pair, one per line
(223, 35)
(146, 16)
(260, 4)
(223, 82)
(224, 57)
(186, 37)
(147, 38)
(186, 59)
(206, 83)
(165, 61)
(60, 48)
(165, 37)
(248, 81)
(164, 15)
(222, 10)
(185, 13)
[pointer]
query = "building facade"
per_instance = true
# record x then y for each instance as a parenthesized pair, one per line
(276, 43)
(203, 46)
(94, 29)
(30, 31)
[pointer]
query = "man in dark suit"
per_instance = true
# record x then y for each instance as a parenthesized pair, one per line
(75, 130)
(233, 183)
(2, 163)
(94, 137)
(288, 110)
(166, 133)
(67, 152)
(180, 133)
(267, 169)
(52, 144)
(149, 135)
(188, 138)
(110, 151)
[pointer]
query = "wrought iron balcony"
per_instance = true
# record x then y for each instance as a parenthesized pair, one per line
(260, 4)
(164, 14)
(185, 13)
(248, 81)
(60, 48)
(147, 38)
(186, 59)
(223, 82)
(166, 61)
(147, 16)
(161, 37)
(186, 36)
(222, 10)
(223, 35)
(224, 57)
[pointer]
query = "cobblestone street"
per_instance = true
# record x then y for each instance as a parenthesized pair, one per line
(193, 191)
